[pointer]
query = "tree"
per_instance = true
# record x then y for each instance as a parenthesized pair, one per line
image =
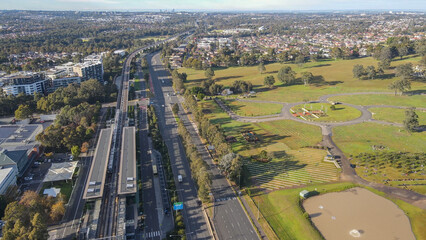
(39, 228)
(336, 53)
(401, 85)
(269, 81)
(85, 146)
(307, 78)
(371, 72)
(75, 151)
(411, 121)
(300, 60)
(286, 75)
(57, 211)
(146, 76)
(358, 71)
(402, 50)
(23, 112)
(314, 58)
(175, 108)
(384, 64)
(209, 73)
(404, 71)
(261, 68)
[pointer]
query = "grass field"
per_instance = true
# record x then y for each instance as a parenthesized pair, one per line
(383, 99)
(253, 109)
(340, 114)
(292, 163)
(355, 139)
(395, 115)
(284, 214)
(137, 84)
(337, 78)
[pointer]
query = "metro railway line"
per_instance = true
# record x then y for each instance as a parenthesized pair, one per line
(107, 226)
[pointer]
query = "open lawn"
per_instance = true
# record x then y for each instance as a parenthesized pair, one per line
(252, 108)
(284, 214)
(359, 138)
(337, 78)
(395, 115)
(383, 99)
(321, 112)
(137, 84)
(66, 188)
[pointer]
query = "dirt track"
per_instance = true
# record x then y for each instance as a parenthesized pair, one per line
(336, 214)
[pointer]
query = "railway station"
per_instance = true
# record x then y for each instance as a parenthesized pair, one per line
(127, 178)
(96, 181)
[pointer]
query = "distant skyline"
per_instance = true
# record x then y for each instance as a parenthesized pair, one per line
(213, 5)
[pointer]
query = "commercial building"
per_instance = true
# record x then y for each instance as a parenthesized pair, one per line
(24, 82)
(7, 179)
(18, 147)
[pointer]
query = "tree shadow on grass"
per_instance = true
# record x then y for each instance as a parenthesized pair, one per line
(319, 81)
(320, 65)
(226, 78)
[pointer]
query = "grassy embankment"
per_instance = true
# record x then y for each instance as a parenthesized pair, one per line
(292, 164)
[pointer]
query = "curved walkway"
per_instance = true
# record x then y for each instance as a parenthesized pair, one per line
(348, 172)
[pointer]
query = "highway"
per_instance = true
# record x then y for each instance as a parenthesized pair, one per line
(230, 220)
(195, 223)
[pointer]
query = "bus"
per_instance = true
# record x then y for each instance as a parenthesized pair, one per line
(154, 169)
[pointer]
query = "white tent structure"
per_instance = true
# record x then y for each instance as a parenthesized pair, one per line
(60, 171)
(52, 192)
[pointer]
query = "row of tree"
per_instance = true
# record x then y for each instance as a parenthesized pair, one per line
(199, 168)
(230, 164)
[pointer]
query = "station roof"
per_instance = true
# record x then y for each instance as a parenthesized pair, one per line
(127, 180)
(96, 181)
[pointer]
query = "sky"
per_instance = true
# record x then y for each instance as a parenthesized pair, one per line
(213, 5)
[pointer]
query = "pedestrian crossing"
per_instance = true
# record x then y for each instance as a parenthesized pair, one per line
(153, 234)
(225, 199)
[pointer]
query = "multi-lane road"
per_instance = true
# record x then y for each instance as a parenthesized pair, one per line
(230, 220)
(195, 222)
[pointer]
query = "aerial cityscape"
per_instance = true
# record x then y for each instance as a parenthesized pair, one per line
(126, 119)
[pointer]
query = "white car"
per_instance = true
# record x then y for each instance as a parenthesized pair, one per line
(180, 179)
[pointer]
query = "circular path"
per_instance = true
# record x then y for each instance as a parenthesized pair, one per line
(348, 173)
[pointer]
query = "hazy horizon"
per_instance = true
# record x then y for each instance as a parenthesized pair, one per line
(215, 5)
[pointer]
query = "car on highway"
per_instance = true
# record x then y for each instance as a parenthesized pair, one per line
(180, 179)
(28, 178)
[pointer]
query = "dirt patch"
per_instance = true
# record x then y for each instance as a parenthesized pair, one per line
(357, 214)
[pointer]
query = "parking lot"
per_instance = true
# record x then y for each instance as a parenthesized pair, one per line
(32, 180)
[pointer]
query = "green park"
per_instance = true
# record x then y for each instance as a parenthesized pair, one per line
(288, 155)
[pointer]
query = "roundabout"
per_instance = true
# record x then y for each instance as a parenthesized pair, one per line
(325, 112)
